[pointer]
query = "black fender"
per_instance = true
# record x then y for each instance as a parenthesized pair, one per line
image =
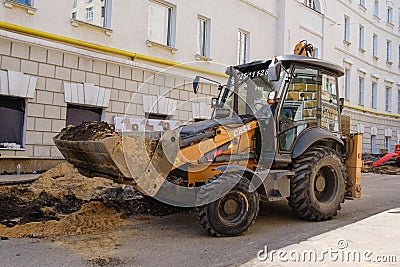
(311, 136)
(255, 179)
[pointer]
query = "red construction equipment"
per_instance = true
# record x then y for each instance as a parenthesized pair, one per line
(389, 156)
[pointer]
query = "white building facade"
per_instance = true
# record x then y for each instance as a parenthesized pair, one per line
(63, 61)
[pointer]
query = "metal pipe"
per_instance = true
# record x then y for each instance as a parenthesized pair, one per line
(131, 55)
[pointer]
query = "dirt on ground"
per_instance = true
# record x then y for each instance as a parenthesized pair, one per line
(87, 131)
(389, 168)
(64, 202)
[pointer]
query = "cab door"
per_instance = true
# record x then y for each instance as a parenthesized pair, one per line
(298, 110)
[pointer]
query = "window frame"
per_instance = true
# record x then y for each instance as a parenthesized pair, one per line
(89, 14)
(203, 40)
(388, 99)
(106, 23)
(389, 15)
(24, 124)
(243, 49)
(376, 8)
(374, 95)
(361, 38)
(398, 101)
(389, 51)
(21, 2)
(361, 90)
(85, 108)
(170, 28)
(346, 36)
(375, 41)
(347, 83)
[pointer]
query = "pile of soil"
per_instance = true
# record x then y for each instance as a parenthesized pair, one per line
(63, 202)
(389, 168)
(87, 131)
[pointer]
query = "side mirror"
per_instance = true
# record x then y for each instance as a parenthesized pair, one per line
(196, 84)
(274, 71)
(214, 102)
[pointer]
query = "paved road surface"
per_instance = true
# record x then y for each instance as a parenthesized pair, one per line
(179, 240)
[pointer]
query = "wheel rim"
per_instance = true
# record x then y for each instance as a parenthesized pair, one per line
(232, 207)
(325, 184)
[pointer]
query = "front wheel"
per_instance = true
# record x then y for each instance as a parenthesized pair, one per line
(317, 188)
(234, 212)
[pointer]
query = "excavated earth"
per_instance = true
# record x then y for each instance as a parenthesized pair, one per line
(87, 131)
(388, 167)
(63, 202)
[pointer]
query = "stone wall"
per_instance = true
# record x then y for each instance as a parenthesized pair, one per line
(54, 66)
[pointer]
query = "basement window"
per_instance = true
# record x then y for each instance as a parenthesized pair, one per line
(12, 117)
(79, 114)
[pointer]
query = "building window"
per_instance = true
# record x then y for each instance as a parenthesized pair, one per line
(243, 47)
(347, 29)
(347, 81)
(388, 99)
(375, 45)
(95, 12)
(161, 24)
(374, 95)
(390, 15)
(203, 44)
(78, 114)
(399, 57)
(398, 101)
(389, 51)
(388, 143)
(374, 150)
(362, 3)
(89, 14)
(361, 38)
(12, 117)
(315, 53)
(398, 12)
(361, 88)
(310, 4)
(74, 3)
(25, 2)
(376, 8)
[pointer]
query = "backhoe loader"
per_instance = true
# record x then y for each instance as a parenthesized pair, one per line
(275, 134)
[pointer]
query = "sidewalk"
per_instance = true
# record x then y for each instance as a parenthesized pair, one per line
(374, 241)
(17, 179)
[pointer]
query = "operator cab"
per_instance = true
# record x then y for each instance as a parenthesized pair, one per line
(287, 96)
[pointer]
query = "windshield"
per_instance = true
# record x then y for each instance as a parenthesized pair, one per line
(252, 93)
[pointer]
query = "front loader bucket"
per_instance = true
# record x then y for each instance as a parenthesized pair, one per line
(134, 159)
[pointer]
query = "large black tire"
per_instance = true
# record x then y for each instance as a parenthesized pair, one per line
(232, 213)
(318, 186)
(398, 162)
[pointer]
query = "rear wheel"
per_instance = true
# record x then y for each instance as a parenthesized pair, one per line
(317, 189)
(234, 212)
(398, 162)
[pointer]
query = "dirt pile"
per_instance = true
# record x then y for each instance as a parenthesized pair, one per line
(91, 218)
(63, 202)
(87, 131)
(390, 169)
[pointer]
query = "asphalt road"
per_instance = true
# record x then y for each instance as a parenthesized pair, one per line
(180, 241)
